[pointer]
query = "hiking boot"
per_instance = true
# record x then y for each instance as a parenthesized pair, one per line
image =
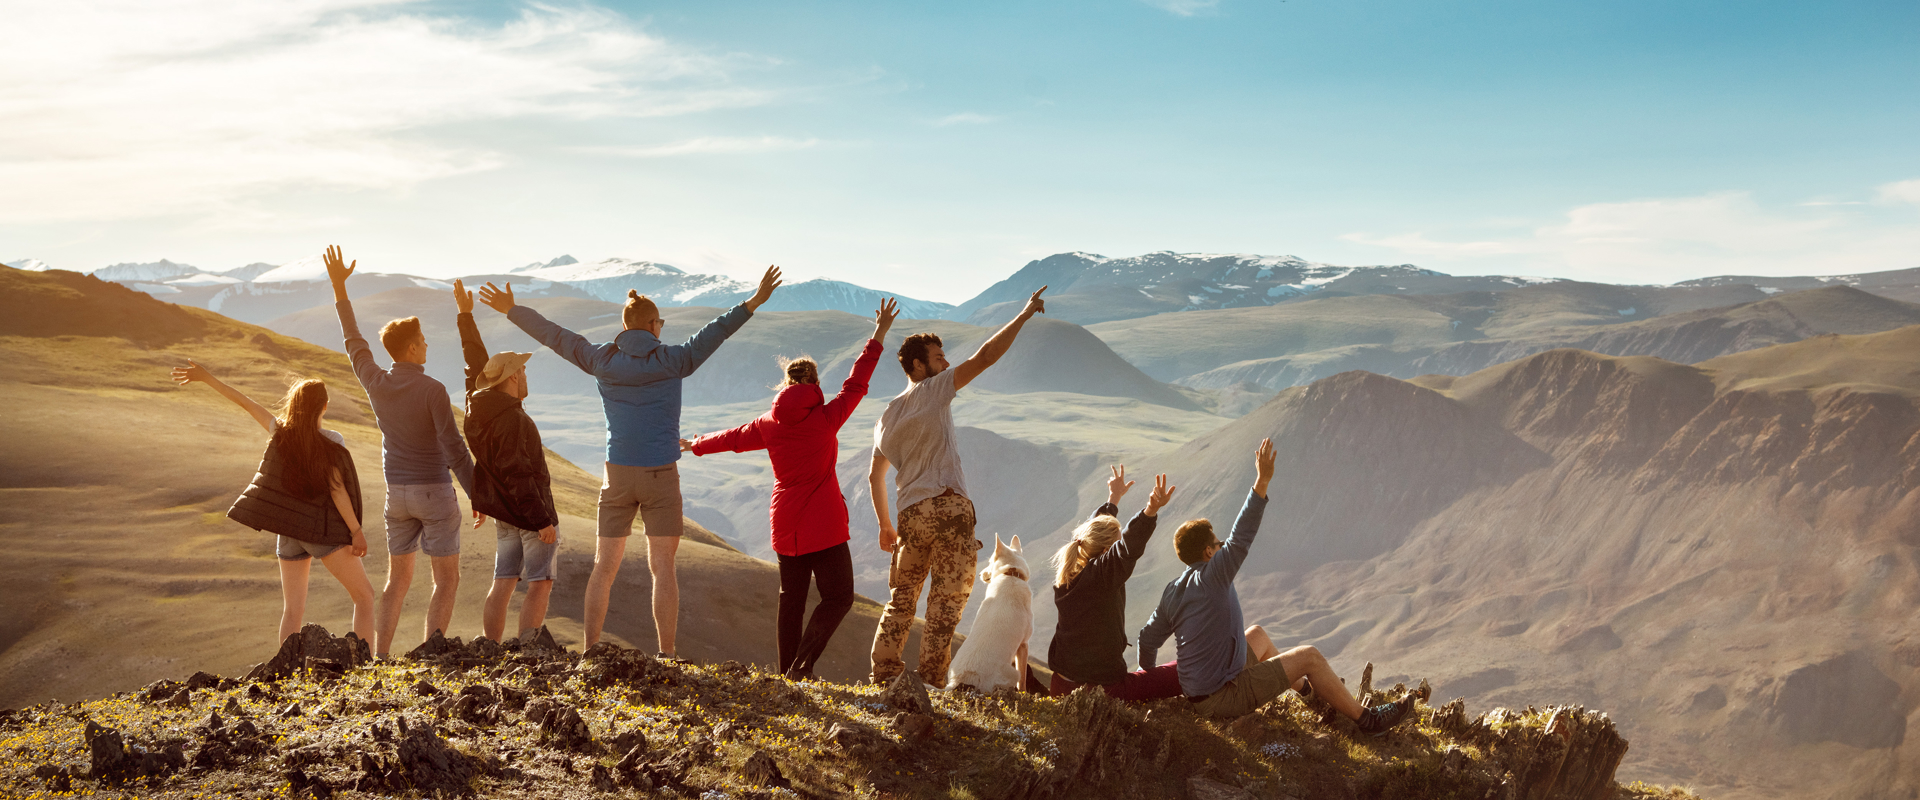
(1376, 721)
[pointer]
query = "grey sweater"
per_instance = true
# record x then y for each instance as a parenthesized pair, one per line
(1202, 611)
(419, 441)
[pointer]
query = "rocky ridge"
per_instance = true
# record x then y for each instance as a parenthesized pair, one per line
(526, 718)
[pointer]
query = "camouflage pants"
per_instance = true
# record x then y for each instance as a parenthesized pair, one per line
(936, 536)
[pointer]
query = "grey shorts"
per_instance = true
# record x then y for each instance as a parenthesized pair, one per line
(291, 549)
(423, 516)
(652, 493)
(520, 554)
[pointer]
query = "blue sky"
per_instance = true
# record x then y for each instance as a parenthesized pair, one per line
(932, 149)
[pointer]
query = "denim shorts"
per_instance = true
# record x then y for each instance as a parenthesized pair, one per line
(521, 554)
(423, 516)
(291, 549)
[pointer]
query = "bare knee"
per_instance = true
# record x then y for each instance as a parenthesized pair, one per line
(1256, 631)
(1308, 653)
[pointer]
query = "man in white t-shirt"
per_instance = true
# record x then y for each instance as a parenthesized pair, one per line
(915, 435)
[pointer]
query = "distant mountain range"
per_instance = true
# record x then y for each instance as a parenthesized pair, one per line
(259, 293)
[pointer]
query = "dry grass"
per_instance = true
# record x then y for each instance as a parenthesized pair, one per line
(979, 746)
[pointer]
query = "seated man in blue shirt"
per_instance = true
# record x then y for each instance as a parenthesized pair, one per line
(1201, 610)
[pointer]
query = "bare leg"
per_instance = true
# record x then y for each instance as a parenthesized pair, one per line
(293, 595)
(1261, 644)
(347, 569)
(606, 566)
(1307, 662)
(1263, 648)
(446, 581)
(533, 610)
(399, 580)
(666, 589)
(1020, 667)
(493, 620)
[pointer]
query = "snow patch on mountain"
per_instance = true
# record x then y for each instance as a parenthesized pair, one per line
(152, 272)
(30, 265)
(311, 269)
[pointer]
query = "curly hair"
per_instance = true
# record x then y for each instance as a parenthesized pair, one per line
(915, 349)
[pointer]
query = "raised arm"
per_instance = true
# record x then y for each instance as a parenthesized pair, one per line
(472, 349)
(996, 345)
(1226, 563)
(344, 502)
(194, 372)
(855, 387)
(877, 486)
(569, 345)
(359, 353)
(1141, 527)
(734, 440)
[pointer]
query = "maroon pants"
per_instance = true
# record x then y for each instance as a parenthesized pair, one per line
(1137, 686)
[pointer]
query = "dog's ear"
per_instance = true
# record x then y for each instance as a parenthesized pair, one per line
(1015, 544)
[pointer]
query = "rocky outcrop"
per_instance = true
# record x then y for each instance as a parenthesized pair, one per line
(313, 648)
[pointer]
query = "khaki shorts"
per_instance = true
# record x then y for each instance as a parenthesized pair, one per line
(1260, 682)
(652, 493)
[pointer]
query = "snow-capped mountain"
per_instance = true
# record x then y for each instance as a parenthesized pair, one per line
(30, 265)
(821, 294)
(609, 280)
(1089, 288)
(558, 262)
(152, 272)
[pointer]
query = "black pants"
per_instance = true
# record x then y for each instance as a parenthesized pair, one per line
(832, 568)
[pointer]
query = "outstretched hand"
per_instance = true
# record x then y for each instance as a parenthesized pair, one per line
(190, 373)
(1162, 494)
(1118, 485)
(1035, 305)
(768, 283)
(338, 270)
(496, 298)
(1263, 467)
(462, 299)
(686, 446)
(883, 318)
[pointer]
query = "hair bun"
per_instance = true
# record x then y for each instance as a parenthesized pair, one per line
(633, 294)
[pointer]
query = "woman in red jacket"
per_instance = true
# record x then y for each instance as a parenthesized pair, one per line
(808, 520)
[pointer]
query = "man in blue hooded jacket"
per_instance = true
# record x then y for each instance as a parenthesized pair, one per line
(640, 379)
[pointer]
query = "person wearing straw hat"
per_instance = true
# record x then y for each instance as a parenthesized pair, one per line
(510, 478)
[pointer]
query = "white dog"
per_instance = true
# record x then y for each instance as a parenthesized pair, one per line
(995, 652)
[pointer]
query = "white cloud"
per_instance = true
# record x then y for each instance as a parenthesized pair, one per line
(1907, 191)
(963, 118)
(1185, 8)
(706, 146)
(120, 109)
(1669, 239)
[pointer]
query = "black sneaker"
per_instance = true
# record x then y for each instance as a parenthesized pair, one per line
(1376, 721)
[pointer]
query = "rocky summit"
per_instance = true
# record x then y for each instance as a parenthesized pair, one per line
(525, 718)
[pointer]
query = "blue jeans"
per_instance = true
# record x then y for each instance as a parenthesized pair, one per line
(521, 554)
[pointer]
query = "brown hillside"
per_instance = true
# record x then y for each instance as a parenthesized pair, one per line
(125, 567)
(1722, 555)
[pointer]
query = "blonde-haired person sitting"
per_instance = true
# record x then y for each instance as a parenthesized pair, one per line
(1090, 593)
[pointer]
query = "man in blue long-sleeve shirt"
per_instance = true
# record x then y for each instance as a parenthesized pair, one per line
(1201, 610)
(640, 380)
(419, 443)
